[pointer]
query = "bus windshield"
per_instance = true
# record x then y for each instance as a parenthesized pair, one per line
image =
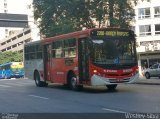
(113, 51)
(17, 68)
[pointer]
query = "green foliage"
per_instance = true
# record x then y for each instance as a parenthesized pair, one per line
(62, 16)
(119, 13)
(11, 57)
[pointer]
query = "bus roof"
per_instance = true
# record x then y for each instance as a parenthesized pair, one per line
(33, 42)
(77, 34)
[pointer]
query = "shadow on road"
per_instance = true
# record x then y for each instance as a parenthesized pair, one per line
(86, 89)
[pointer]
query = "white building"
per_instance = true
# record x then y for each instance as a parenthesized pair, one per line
(16, 41)
(147, 29)
(18, 7)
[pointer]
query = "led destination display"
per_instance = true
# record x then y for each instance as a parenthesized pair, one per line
(110, 33)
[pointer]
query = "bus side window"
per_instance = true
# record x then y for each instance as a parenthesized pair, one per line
(27, 52)
(53, 53)
(72, 52)
(32, 55)
(38, 51)
(70, 48)
(57, 49)
(59, 53)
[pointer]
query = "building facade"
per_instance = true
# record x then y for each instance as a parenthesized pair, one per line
(147, 30)
(14, 38)
(11, 7)
(23, 7)
(16, 41)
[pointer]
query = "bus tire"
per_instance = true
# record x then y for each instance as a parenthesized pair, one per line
(73, 83)
(111, 87)
(38, 82)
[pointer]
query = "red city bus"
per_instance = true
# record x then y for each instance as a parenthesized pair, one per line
(94, 57)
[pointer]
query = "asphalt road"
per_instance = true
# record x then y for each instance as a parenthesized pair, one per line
(22, 96)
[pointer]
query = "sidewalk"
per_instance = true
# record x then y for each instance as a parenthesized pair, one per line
(151, 81)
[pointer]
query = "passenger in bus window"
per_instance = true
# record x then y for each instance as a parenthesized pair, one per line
(72, 52)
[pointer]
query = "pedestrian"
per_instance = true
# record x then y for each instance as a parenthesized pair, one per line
(145, 65)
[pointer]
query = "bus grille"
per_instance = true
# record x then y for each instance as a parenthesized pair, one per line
(118, 81)
(127, 74)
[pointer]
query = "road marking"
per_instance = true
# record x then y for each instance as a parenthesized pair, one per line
(14, 84)
(36, 96)
(118, 111)
(24, 83)
(6, 86)
(8, 79)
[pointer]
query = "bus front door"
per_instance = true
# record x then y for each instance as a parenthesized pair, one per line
(83, 60)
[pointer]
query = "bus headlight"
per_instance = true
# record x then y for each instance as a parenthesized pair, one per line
(95, 71)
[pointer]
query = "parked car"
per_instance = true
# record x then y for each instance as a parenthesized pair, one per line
(153, 71)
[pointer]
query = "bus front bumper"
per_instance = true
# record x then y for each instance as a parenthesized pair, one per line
(100, 81)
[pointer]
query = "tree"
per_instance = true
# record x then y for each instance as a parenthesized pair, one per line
(62, 16)
(118, 13)
(11, 57)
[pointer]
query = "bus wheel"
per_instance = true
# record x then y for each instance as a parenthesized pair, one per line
(38, 82)
(112, 87)
(73, 83)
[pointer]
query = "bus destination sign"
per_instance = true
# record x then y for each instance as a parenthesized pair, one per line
(110, 33)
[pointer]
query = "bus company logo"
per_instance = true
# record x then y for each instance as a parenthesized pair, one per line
(112, 71)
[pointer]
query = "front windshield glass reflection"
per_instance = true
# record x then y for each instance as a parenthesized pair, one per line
(113, 51)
